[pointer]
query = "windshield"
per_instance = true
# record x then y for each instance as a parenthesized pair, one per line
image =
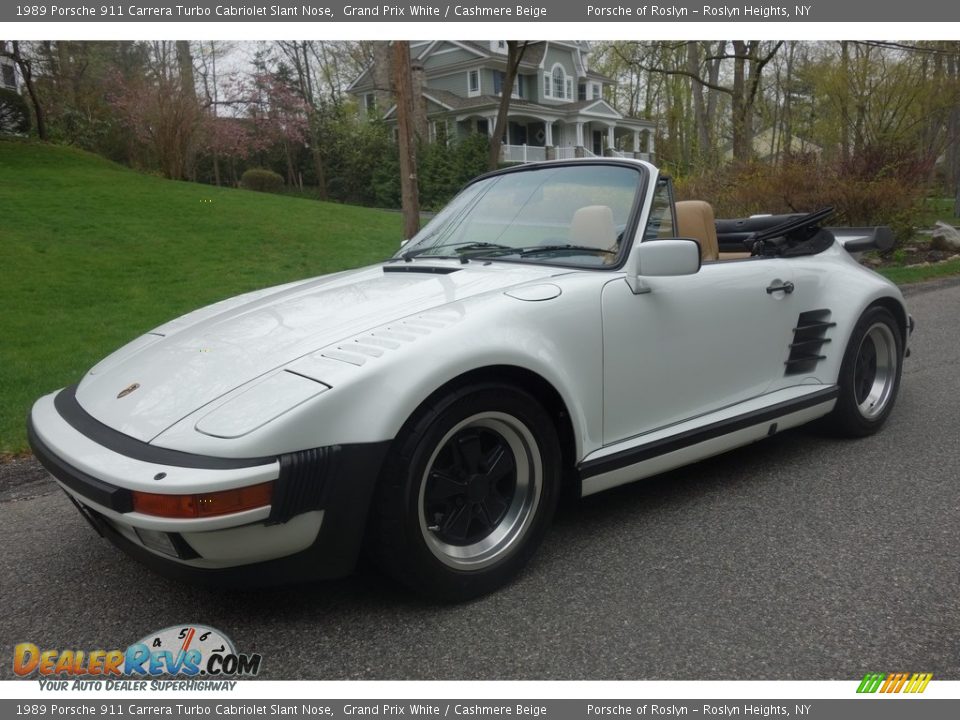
(571, 214)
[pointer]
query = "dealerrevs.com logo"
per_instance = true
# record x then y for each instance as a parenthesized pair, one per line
(191, 651)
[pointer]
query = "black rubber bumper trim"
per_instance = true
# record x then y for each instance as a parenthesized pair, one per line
(88, 426)
(682, 440)
(115, 498)
(303, 479)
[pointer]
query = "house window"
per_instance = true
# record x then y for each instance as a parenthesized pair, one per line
(473, 82)
(581, 91)
(500, 77)
(546, 85)
(569, 89)
(439, 132)
(558, 82)
(595, 91)
(483, 126)
(9, 78)
(370, 103)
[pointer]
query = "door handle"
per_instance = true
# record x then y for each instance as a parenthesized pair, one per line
(787, 287)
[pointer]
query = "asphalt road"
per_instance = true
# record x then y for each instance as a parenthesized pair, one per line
(797, 558)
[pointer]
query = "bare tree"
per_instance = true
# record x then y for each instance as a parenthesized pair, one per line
(749, 58)
(25, 65)
(515, 51)
(409, 186)
(209, 52)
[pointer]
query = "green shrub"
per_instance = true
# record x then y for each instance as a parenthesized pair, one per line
(261, 180)
(14, 113)
(445, 168)
(804, 184)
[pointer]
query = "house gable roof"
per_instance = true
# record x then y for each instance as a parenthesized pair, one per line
(595, 107)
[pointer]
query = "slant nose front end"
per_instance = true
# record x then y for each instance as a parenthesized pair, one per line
(212, 520)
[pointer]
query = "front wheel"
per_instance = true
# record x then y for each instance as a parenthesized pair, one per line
(468, 492)
(869, 376)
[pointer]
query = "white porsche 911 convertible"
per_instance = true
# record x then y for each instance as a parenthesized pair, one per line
(561, 325)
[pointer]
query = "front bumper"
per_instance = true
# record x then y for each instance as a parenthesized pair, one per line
(313, 529)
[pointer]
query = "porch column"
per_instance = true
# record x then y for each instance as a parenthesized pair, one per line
(579, 134)
(611, 142)
(636, 141)
(491, 121)
(548, 134)
(651, 143)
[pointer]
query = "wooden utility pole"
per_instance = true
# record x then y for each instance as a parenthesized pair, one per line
(409, 190)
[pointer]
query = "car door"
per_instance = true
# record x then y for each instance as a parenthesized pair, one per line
(694, 343)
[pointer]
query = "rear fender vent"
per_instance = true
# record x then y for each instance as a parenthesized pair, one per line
(303, 476)
(809, 341)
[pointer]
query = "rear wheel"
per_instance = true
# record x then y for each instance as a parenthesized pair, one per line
(468, 492)
(869, 377)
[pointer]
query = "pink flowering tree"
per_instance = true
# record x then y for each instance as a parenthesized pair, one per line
(279, 117)
(163, 121)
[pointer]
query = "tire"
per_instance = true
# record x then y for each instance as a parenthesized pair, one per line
(869, 376)
(468, 491)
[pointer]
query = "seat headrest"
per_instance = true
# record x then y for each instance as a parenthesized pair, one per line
(695, 220)
(593, 226)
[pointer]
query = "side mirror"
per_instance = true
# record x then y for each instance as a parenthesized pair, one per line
(662, 258)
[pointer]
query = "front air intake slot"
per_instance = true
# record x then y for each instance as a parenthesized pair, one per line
(809, 339)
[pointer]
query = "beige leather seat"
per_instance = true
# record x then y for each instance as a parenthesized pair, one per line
(695, 220)
(593, 226)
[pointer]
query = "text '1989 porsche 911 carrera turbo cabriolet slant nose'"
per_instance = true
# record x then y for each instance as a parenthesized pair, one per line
(561, 325)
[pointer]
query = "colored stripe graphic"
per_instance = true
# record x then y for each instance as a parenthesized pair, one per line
(918, 683)
(894, 682)
(870, 683)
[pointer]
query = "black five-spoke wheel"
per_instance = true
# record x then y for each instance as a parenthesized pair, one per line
(869, 376)
(469, 492)
(480, 490)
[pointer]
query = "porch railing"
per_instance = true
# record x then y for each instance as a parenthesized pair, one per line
(629, 155)
(536, 153)
(524, 153)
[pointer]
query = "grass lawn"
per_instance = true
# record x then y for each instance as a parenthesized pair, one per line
(93, 254)
(919, 273)
(933, 209)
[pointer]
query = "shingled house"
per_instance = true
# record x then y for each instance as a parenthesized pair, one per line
(557, 110)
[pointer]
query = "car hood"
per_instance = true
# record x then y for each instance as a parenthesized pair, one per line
(189, 362)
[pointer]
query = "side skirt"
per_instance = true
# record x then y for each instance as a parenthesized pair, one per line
(703, 437)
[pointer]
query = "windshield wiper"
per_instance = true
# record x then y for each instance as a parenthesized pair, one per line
(462, 247)
(534, 249)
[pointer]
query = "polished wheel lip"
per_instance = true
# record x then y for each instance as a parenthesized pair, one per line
(875, 371)
(519, 516)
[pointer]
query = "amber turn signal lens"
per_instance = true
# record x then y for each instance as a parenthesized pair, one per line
(203, 505)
